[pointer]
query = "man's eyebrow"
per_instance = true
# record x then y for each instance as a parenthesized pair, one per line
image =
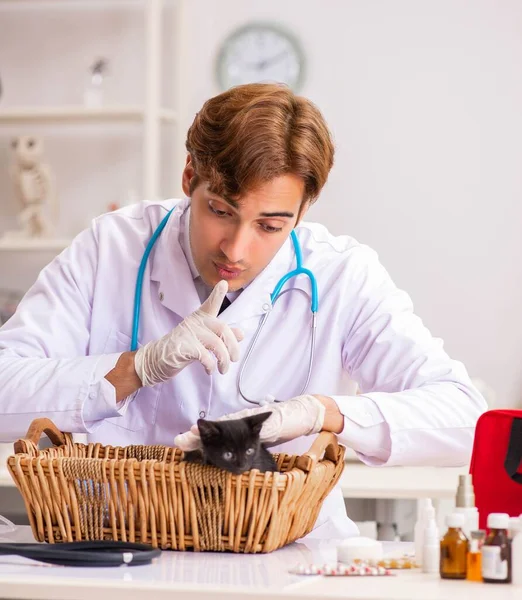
(277, 214)
(235, 204)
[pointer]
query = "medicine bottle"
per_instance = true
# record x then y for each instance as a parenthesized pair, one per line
(474, 571)
(516, 553)
(496, 551)
(454, 549)
(465, 504)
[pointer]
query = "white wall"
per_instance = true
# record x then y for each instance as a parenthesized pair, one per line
(424, 102)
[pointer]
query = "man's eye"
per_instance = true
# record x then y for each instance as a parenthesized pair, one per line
(249, 452)
(227, 455)
(218, 213)
(270, 229)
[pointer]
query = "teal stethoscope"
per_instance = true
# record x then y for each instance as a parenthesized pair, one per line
(274, 296)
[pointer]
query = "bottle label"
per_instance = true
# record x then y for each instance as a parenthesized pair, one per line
(492, 565)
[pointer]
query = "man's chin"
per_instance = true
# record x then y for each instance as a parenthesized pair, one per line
(211, 282)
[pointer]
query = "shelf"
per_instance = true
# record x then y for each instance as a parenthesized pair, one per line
(80, 114)
(70, 4)
(31, 245)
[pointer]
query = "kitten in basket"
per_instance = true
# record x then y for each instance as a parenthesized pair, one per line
(233, 445)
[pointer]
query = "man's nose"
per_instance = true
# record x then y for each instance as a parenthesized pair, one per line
(234, 246)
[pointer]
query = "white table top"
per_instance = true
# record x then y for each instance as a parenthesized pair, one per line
(214, 576)
(361, 481)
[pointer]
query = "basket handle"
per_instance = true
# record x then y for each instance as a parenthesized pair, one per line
(324, 445)
(34, 433)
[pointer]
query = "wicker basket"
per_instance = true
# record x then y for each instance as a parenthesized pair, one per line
(148, 494)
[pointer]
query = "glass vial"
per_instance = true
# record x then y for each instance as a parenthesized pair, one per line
(474, 572)
(496, 551)
(454, 549)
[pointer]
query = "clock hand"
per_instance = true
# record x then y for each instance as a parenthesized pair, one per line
(268, 61)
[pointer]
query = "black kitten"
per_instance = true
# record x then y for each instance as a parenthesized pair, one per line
(233, 445)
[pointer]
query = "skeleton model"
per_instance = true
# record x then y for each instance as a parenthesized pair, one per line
(34, 188)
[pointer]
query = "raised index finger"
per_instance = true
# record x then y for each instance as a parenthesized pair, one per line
(213, 303)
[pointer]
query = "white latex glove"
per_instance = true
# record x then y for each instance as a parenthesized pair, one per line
(201, 336)
(302, 415)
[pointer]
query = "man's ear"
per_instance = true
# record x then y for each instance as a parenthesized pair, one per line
(303, 209)
(188, 174)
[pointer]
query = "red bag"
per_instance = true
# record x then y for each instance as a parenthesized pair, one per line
(496, 464)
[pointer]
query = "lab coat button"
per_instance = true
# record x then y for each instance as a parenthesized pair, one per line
(266, 306)
(92, 395)
(202, 414)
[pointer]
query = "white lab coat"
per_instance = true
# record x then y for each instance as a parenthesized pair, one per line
(75, 321)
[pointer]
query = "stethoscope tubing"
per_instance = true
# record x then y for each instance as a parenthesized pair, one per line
(98, 553)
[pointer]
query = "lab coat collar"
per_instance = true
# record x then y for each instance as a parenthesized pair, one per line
(170, 268)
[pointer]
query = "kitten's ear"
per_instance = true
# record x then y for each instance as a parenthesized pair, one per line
(208, 429)
(255, 422)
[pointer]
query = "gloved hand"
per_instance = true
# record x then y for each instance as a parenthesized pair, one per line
(302, 415)
(195, 338)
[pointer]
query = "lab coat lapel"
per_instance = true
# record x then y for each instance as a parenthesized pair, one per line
(171, 270)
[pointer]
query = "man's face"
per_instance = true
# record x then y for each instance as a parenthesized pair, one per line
(236, 240)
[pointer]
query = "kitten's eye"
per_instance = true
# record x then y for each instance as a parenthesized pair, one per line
(227, 455)
(249, 452)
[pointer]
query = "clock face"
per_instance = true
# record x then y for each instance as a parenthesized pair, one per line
(260, 53)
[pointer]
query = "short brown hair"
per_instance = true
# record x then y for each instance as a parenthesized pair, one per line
(252, 133)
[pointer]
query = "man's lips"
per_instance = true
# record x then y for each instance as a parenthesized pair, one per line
(233, 270)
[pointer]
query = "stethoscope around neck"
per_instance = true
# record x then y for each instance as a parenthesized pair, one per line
(274, 296)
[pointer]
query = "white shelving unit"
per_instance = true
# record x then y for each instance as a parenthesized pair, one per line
(42, 244)
(151, 117)
(79, 114)
(70, 4)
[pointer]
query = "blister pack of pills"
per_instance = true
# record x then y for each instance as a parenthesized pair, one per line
(340, 570)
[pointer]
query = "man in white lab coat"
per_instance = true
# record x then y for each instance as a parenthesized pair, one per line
(258, 156)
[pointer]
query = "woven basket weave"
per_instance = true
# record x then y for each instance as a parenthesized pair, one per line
(148, 494)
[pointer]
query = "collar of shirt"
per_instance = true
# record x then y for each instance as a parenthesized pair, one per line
(202, 288)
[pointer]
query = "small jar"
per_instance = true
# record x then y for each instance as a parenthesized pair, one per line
(454, 549)
(474, 571)
(496, 551)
